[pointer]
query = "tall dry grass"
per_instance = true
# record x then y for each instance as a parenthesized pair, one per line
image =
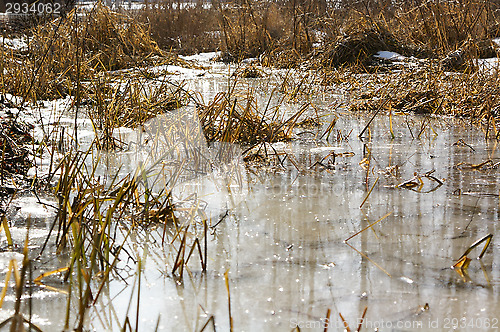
(187, 29)
(70, 49)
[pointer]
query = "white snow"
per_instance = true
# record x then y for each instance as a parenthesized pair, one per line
(184, 73)
(201, 57)
(490, 65)
(6, 257)
(323, 149)
(389, 56)
(15, 43)
(188, 72)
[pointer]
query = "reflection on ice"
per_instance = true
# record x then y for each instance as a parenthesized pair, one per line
(169, 153)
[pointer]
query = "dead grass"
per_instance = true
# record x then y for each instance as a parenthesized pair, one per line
(188, 29)
(129, 103)
(430, 90)
(72, 56)
(71, 49)
(14, 135)
(228, 118)
(341, 33)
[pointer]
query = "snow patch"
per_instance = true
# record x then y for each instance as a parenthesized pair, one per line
(323, 149)
(201, 57)
(185, 73)
(393, 56)
(30, 206)
(490, 65)
(15, 43)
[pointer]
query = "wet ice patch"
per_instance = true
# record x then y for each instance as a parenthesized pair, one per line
(35, 319)
(20, 209)
(6, 257)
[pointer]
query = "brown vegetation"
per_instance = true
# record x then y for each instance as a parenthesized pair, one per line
(344, 32)
(70, 49)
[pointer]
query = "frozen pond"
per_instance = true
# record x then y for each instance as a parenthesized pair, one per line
(280, 234)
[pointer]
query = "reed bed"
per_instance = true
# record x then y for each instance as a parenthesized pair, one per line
(339, 39)
(80, 56)
(97, 219)
(68, 50)
(129, 103)
(345, 30)
(431, 90)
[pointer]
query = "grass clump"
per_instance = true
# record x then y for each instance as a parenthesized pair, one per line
(356, 48)
(14, 135)
(233, 120)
